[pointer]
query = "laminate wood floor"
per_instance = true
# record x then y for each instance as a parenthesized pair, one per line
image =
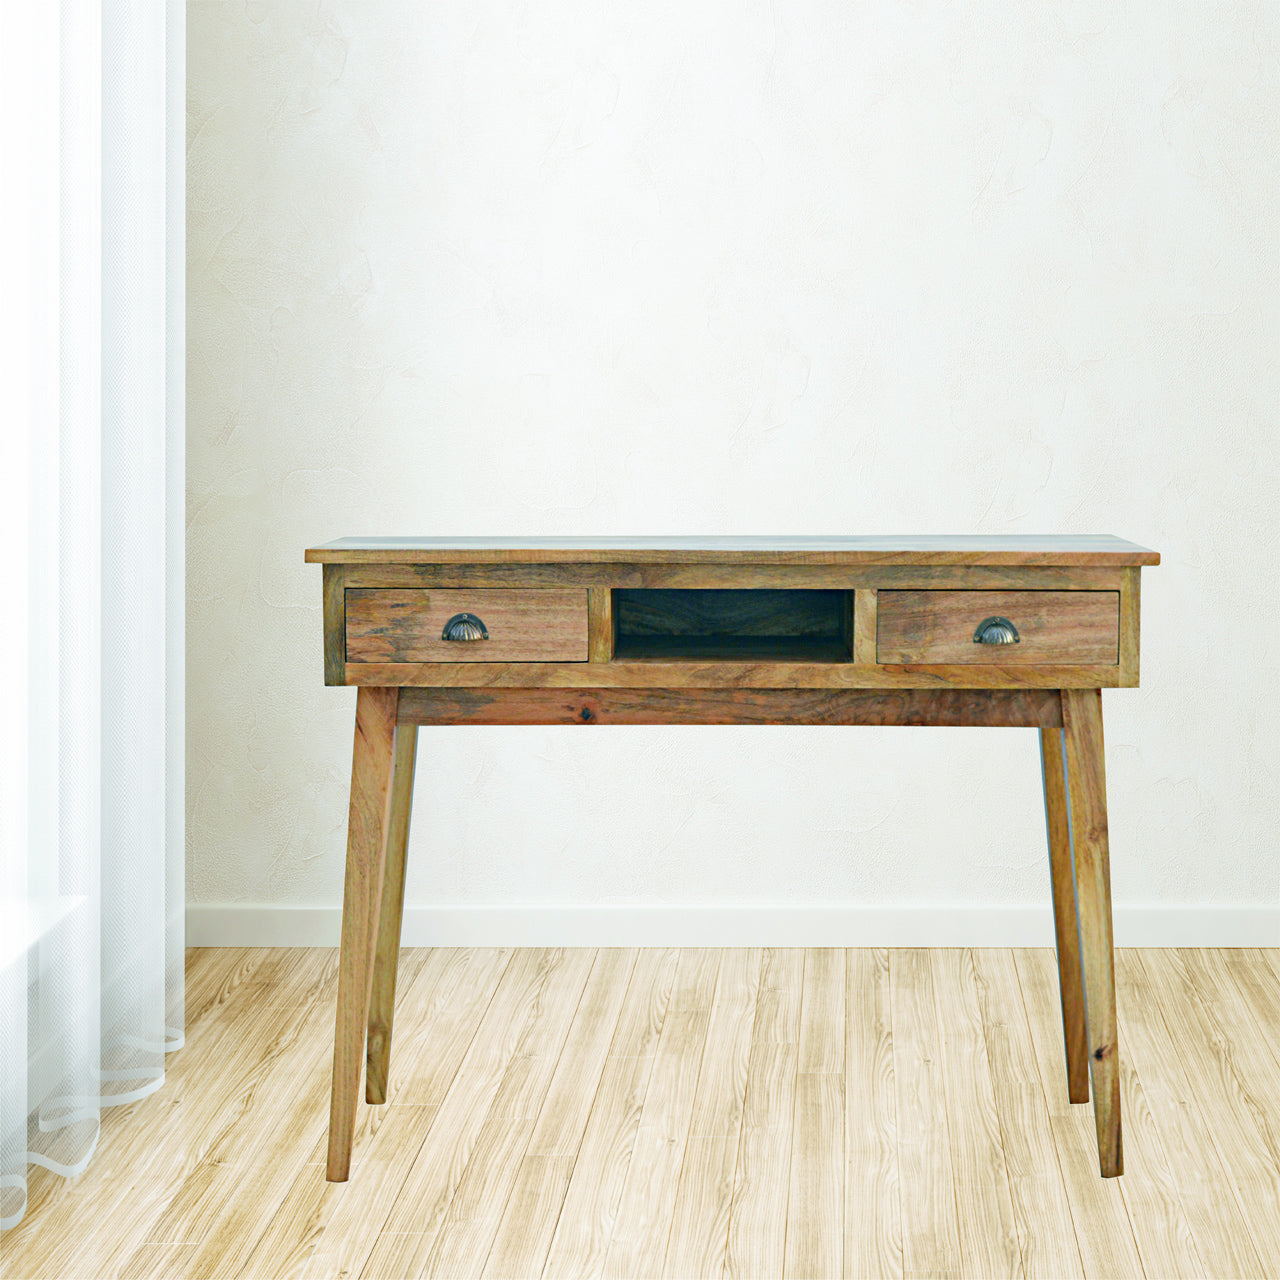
(687, 1113)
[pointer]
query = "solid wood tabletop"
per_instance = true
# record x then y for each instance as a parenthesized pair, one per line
(976, 549)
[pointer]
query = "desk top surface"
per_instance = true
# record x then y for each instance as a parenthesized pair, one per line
(1029, 549)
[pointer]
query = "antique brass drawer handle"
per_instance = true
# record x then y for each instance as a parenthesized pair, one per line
(464, 626)
(996, 631)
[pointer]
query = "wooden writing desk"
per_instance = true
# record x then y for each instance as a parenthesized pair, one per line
(935, 631)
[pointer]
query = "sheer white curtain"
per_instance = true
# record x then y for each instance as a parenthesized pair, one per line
(91, 521)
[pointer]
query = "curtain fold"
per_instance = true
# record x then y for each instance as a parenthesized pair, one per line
(91, 877)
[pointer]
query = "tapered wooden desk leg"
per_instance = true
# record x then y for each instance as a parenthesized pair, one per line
(1087, 803)
(1070, 981)
(368, 828)
(382, 1000)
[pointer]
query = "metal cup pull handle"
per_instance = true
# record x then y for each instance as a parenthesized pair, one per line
(996, 631)
(464, 626)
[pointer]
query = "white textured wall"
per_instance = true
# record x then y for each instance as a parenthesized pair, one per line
(713, 267)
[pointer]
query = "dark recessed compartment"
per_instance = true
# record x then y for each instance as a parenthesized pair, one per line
(711, 625)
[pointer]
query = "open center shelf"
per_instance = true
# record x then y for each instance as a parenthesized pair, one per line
(723, 625)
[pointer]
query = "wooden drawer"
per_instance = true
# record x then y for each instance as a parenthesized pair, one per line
(1055, 627)
(527, 625)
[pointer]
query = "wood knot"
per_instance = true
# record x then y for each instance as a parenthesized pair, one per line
(1101, 1053)
(586, 714)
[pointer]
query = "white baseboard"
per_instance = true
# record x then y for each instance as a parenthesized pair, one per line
(240, 925)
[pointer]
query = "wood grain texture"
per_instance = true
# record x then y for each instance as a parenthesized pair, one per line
(593, 1198)
(523, 626)
(200, 1189)
(641, 1226)
(1256, 974)
(1258, 984)
(865, 615)
(663, 674)
(700, 1217)
(523, 1235)
(1055, 627)
(315, 1210)
(756, 1244)
(931, 1235)
(719, 1102)
(697, 1243)
(988, 1238)
(734, 574)
(1207, 1178)
(475, 1210)
(602, 625)
(204, 1192)
(822, 1012)
(290, 980)
(347, 1219)
(1053, 773)
(368, 829)
(591, 1201)
(271, 1160)
(139, 1169)
(221, 1173)
(1015, 549)
(1232, 1073)
(1000, 707)
(157, 1262)
(1103, 1229)
(441, 1011)
(1130, 598)
(1087, 805)
(815, 1213)
(696, 976)
(335, 614)
(567, 1104)
(1153, 1200)
(471, 1219)
(382, 997)
(427, 1190)
(815, 1206)
(1041, 1212)
(214, 975)
(872, 1196)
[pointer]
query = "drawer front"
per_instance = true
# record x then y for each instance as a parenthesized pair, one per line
(1054, 627)
(527, 625)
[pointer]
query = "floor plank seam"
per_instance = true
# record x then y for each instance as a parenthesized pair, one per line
(577, 1008)
(1044, 1090)
(591, 1111)
(226, 1171)
(394, 1203)
(1194, 1098)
